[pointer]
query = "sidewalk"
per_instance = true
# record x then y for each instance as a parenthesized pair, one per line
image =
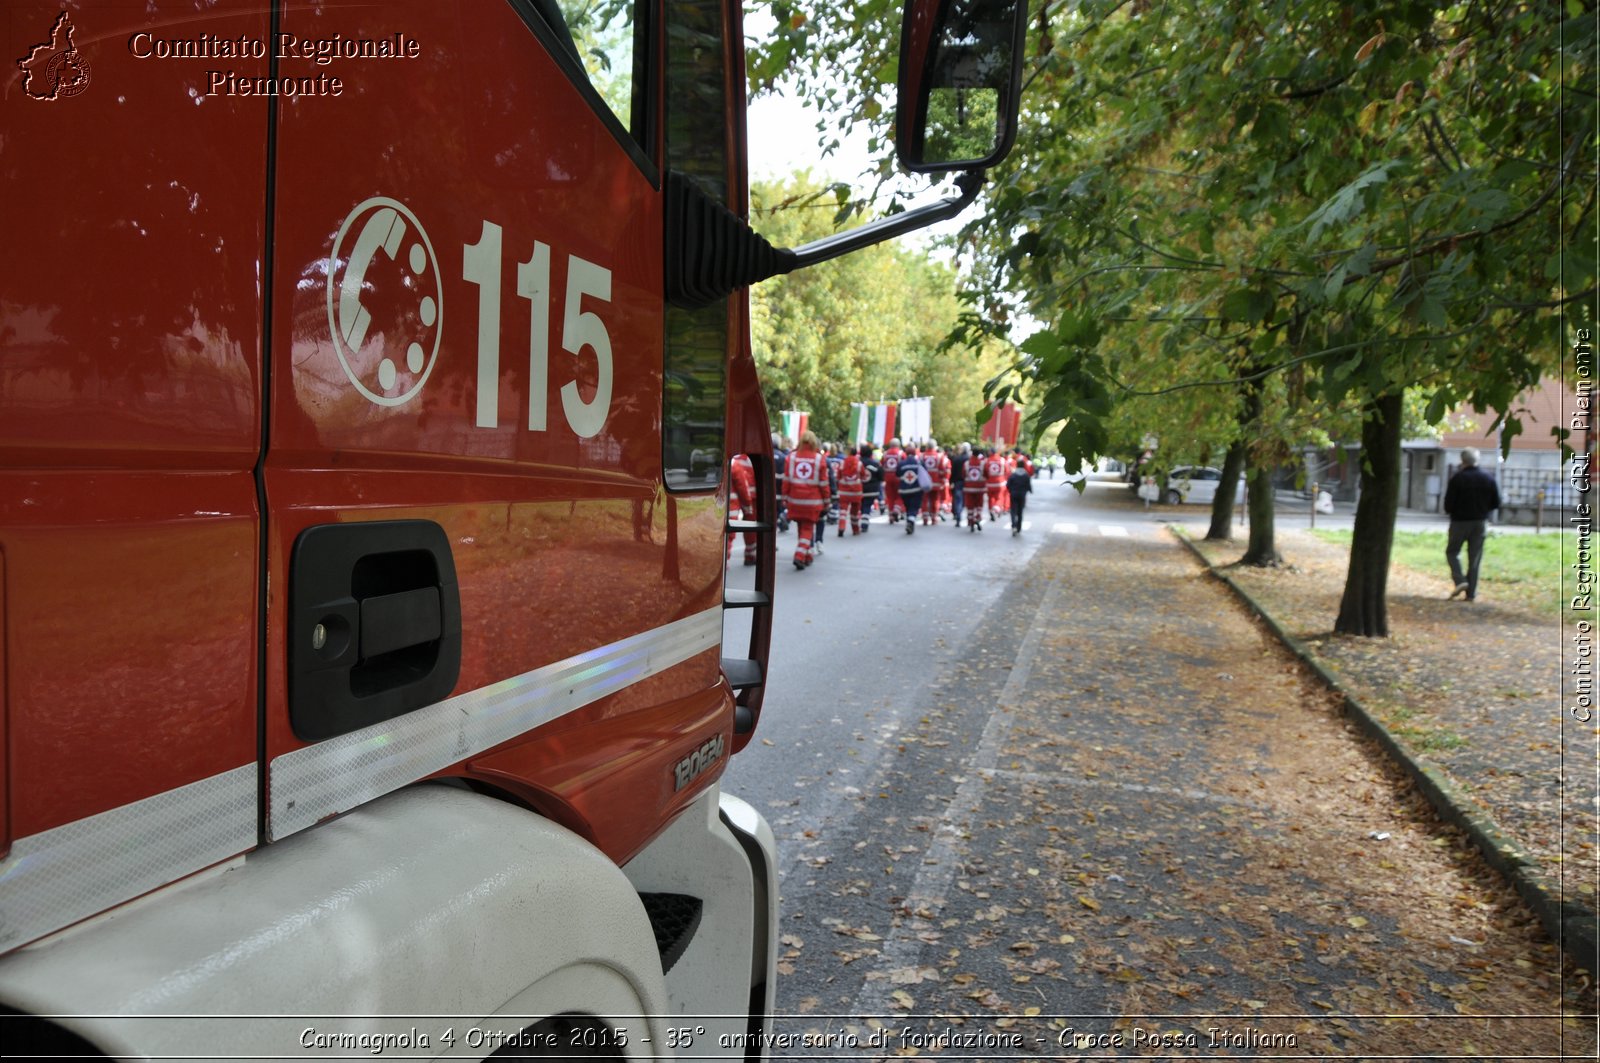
(1468, 699)
(1145, 829)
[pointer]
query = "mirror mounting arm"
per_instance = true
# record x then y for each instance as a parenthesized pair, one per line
(711, 251)
(890, 227)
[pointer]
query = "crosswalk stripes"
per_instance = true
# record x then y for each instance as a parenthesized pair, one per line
(1108, 531)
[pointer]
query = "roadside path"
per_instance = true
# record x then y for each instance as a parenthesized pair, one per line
(1469, 689)
(1146, 830)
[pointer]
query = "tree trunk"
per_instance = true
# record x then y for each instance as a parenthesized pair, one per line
(1263, 550)
(1249, 392)
(1227, 488)
(1364, 608)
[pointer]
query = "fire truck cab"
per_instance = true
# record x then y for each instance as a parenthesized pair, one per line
(368, 380)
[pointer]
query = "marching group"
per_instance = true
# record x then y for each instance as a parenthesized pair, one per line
(819, 484)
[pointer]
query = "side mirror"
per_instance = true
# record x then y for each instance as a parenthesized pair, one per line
(960, 83)
(960, 86)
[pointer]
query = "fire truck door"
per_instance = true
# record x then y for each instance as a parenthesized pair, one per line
(467, 345)
(131, 319)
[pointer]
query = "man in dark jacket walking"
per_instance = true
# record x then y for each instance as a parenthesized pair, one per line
(958, 480)
(1469, 499)
(1018, 484)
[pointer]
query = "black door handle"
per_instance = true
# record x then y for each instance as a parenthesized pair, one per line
(374, 624)
(399, 621)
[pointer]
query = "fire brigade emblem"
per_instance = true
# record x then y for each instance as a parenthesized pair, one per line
(55, 69)
(385, 301)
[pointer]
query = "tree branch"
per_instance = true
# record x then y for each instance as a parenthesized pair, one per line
(1128, 234)
(1134, 267)
(1316, 90)
(1298, 360)
(1438, 127)
(1440, 243)
(1551, 305)
(1433, 148)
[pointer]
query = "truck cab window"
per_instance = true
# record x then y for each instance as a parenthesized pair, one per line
(604, 47)
(697, 146)
(606, 37)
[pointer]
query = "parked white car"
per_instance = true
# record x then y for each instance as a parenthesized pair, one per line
(1192, 483)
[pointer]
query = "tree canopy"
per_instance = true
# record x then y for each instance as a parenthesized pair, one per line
(864, 327)
(1277, 217)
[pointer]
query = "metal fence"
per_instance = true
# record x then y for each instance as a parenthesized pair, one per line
(1521, 487)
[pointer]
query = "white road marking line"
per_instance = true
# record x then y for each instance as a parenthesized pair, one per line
(1060, 779)
(902, 945)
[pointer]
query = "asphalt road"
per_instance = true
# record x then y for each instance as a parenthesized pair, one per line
(865, 644)
(1058, 787)
(859, 636)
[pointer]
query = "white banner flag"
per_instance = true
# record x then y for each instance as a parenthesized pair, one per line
(916, 420)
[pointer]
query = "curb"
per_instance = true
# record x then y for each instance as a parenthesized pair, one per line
(1575, 929)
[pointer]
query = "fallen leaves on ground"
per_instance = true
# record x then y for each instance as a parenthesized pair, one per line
(1178, 855)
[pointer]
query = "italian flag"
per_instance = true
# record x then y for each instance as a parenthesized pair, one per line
(874, 422)
(793, 425)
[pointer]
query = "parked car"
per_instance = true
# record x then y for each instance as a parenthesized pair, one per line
(1192, 483)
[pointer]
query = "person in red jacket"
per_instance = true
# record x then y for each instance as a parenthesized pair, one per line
(805, 493)
(943, 477)
(994, 480)
(973, 487)
(852, 474)
(742, 502)
(892, 456)
(938, 465)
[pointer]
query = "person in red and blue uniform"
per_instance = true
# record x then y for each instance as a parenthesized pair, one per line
(852, 480)
(975, 487)
(994, 480)
(892, 457)
(806, 487)
(834, 452)
(742, 502)
(938, 465)
(914, 483)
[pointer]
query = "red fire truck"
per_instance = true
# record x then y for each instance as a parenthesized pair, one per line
(368, 379)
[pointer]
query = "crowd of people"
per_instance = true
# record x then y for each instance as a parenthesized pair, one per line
(822, 485)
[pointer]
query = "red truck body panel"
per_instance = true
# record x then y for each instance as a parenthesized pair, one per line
(131, 321)
(174, 377)
(562, 543)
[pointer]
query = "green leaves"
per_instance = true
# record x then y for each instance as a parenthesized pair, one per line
(1248, 305)
(1355, 266)
(1078, 330)
(1348, 202)
(1439, 405)
(1353, 197)
(868, 326)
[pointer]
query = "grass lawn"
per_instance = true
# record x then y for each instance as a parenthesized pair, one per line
(1518, 569)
